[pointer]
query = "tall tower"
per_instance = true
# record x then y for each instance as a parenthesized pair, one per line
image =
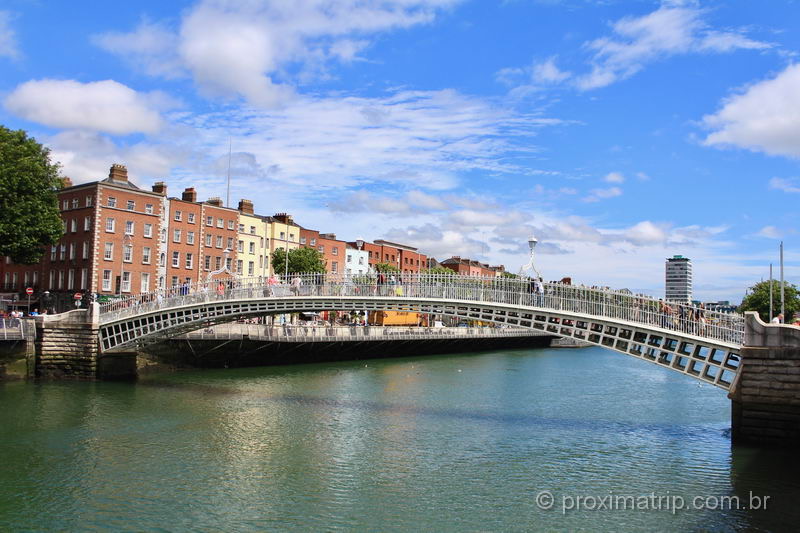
(678, 279)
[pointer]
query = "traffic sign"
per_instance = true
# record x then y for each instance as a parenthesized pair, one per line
(78, 296)
(29, 291)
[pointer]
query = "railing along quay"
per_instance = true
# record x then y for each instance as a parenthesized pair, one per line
(12, 328)
(302, 333)
(522, 293)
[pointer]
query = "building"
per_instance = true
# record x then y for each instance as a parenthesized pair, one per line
(356, 261)
(406, 258)
(253, 258)
(220, 236)
(470, 267)
(678, 279)
(283, 233)
(183, 233)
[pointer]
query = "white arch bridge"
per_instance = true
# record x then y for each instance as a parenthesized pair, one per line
(700, 343)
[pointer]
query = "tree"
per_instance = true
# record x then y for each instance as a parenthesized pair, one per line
(29, 184)
(386, 268)
(758, 300)
(300, 260)
(442, 271)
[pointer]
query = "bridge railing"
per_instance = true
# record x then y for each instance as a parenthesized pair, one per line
(523, 292)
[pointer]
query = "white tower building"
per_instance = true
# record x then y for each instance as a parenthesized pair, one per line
(678, 279)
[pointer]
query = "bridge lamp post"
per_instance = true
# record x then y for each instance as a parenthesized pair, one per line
(532, 241)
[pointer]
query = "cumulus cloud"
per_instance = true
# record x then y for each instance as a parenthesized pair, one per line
(614, 177)
(674, 28)
(106, 106)
(595, 195)
(249, 49)
(790, 185)
(769, 232)
(763, 117)
(8, 38)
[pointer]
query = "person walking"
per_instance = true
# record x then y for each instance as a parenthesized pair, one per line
(778, 319)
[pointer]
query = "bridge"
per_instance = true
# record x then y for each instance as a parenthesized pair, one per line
(704, 345)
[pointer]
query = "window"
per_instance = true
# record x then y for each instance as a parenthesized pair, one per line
(252, 230)
(291, 237)
(217, 262)
(219, 241)
(87, 223)
(189, 260)
(72, 250)
(230, 243)
(252, 248)
(209, 221)
(89, 201)
(148, 230)
(146, 255)
(84, 273)
(106, 280)
(231, 224)
(64, 224)
(241, 247)
(178, 216)
(189, 237)
(334, 267)
(176, 259)
(148, 208)
(313, 242)
(27, 279)
(110, 225)
(228, 263)
(360, 260)
(112, 202)
(62, 252)
(163, 235)
(129, 227)
(176, 235)
(127, 253)
(65, 205)
(321, 248)
(220, 223)
(53, 250)
(144, 285)
(51, 284)
(174, 282)
(71, 278)
(239, 265)
(85, 254)
(162, 259)
(208, 239)
(349, 258)
(126, 281)
(251, 268)
(302, 240)
(131, 205)
(74, 203)
(283, 235)
(207, 262)
(335, 250)
(241, 228)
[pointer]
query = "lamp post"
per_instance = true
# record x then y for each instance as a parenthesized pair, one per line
(532, 241)
(359, 245)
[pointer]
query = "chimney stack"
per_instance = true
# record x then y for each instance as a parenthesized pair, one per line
(246, 207)
(118, 173)
(215, 201)
(160, 187)
(189, 195)
(66, 181)
(283, 217)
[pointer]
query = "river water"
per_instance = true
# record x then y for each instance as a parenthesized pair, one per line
(468, 442)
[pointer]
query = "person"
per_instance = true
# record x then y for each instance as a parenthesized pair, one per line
(35, 312)
(296, 281)
(271, 283)
(220, 289)
(778, 319)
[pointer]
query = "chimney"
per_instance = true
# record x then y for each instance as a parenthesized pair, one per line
(246, 206)
(283, 217)
(189, 195)
(160, 187)
(215, 201)
(118, 173)
(66, 181)
(329, 236)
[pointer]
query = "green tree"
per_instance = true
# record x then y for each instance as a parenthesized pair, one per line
(758, 300)
(300, 260)
(439, 270)
(386, 268)
(29, 184)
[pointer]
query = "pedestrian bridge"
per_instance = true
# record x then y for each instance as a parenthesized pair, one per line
(703, 344)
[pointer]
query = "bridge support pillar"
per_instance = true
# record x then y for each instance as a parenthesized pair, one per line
(67, 344)
(765, 397)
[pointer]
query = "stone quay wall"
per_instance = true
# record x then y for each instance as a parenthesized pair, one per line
(766, 395)
(67, 344)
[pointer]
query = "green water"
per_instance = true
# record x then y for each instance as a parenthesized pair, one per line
(455, 443)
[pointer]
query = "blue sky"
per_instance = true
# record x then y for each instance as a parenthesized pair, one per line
(619, 132)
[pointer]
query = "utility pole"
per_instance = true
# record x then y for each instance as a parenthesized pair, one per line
(228, 198)
(783, 309)
(770, 293)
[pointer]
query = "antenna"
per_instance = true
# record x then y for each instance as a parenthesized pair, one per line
(228, 198)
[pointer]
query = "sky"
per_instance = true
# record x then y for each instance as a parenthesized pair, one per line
(619, 133)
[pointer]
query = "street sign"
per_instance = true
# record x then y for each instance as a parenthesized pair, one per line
(29, 291)
(78, 296)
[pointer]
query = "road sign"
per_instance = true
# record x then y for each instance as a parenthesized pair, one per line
(29, 291)
(78, 296)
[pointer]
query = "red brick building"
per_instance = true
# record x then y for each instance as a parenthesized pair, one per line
(471, 267)
(220, 234)
(332, 249)
(405, 257)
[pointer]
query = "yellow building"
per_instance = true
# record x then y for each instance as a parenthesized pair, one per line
(252, 252)
(281, 232)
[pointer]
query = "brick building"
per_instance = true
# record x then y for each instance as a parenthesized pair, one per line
(404, 257)
(471, 267)
(332, 249)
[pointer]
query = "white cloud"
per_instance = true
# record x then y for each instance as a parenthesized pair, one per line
(233, 48)
(763, 117)
(785, 184)
(595, 195)
(8, 37)
(674, 28)
(105, 106)
(614, 177)
(769, 232)
(548, 72)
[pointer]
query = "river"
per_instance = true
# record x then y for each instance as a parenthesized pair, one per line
(467, 442)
